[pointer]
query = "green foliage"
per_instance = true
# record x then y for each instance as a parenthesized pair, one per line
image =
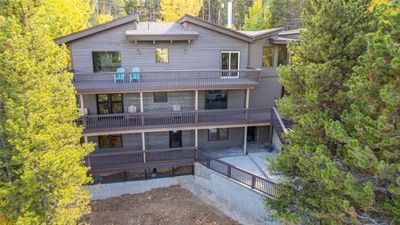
(342, 156)
(41, 157)
(284, 13)
(258, 18)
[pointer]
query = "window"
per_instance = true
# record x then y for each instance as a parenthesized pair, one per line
(110, 141)
(218, 134)
(161, 55)
(106, 61)
(160, 97)
(109, 103)
(282, 56)
(230, 61)
(216, 99)
(268, 57)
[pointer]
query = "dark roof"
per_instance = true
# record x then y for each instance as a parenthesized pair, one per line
(159, 31)
(96, 29)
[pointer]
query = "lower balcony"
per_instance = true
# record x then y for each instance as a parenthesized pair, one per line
(173, 120)
(114, 162)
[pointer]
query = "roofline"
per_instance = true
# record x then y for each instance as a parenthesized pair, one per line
(96, 29)
(268, 33)
(215, 27)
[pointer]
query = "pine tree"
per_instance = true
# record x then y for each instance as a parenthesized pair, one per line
(320, 183)
(258, 18)
(284, 13)
(41, 157)
(172, 10)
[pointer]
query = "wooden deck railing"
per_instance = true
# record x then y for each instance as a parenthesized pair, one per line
(89, 83)
(129, 121)
(242, 176)
(124, 161)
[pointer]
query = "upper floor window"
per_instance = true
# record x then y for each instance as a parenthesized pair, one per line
(160, 97)
(282, 56)
(110, 141)
(216, 99)
(109, 103)
(106, 61)
(162, 55)
(268, 57)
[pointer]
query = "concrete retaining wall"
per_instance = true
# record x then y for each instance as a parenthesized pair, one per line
(234, 193)
(103, 191)
(276, 141)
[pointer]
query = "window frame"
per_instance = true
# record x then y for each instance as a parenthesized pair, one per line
(155, 55)
(166, 97)
(105, 51)
(218, 136)
(272, 63)
(110, 141)
(286, 56)
(110, 103)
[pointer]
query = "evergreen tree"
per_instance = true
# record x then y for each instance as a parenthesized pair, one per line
(320, 168)
(285, 13)
(258, 18)
(172, 10)
(41, 157)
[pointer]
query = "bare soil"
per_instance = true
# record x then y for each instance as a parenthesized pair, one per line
(171, 205)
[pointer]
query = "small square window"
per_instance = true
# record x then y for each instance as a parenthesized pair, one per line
(160, 97)
(218, 134)
(268, 57)
(110, 141)
(162, 55)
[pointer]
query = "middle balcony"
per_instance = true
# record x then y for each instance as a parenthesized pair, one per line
(97, 124)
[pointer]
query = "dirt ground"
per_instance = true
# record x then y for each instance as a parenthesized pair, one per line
(172, 205)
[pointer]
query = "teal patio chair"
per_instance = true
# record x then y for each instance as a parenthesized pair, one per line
(135, 77)
(120, 77)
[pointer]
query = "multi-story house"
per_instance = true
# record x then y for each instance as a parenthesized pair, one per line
(151, 93)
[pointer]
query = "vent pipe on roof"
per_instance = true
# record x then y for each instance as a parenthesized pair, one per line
(230, 3)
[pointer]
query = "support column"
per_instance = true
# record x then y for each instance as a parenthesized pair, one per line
(85, 138)
(245, 140)
(196, 104)
(247, 103)
(81, 104)
(196, 138)
(144, 146)
(141, 106)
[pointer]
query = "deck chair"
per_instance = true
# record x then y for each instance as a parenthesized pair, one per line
(135, 77)
(119, 77)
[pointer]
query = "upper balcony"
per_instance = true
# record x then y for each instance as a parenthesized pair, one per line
(113, 82)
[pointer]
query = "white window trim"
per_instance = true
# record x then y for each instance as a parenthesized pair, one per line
(229, 52)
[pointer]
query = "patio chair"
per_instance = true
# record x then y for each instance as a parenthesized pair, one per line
(119, 77)
(135, 77)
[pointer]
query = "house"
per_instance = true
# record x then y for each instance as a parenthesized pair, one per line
(186, 85)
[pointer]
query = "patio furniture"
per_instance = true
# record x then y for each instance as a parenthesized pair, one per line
(119, 78)
(135, 77)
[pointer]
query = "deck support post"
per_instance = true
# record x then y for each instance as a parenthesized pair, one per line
(85, 138)
(81, 104)
(271, 134)
(247, 103)
(196, 138)
(141, 106)
(245, 140)
(144, 147)
(196, 105)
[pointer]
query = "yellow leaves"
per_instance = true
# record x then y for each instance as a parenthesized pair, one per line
(172, 10)
(104, 18)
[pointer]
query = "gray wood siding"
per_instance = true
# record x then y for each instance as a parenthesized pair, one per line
(160, 140)
(268, 88)
(184, 98)
(204, 53)
(130, 142)
(235, 139)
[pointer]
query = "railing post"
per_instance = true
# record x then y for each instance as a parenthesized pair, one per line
(208, 163)
(253, 181)
(229, 171)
